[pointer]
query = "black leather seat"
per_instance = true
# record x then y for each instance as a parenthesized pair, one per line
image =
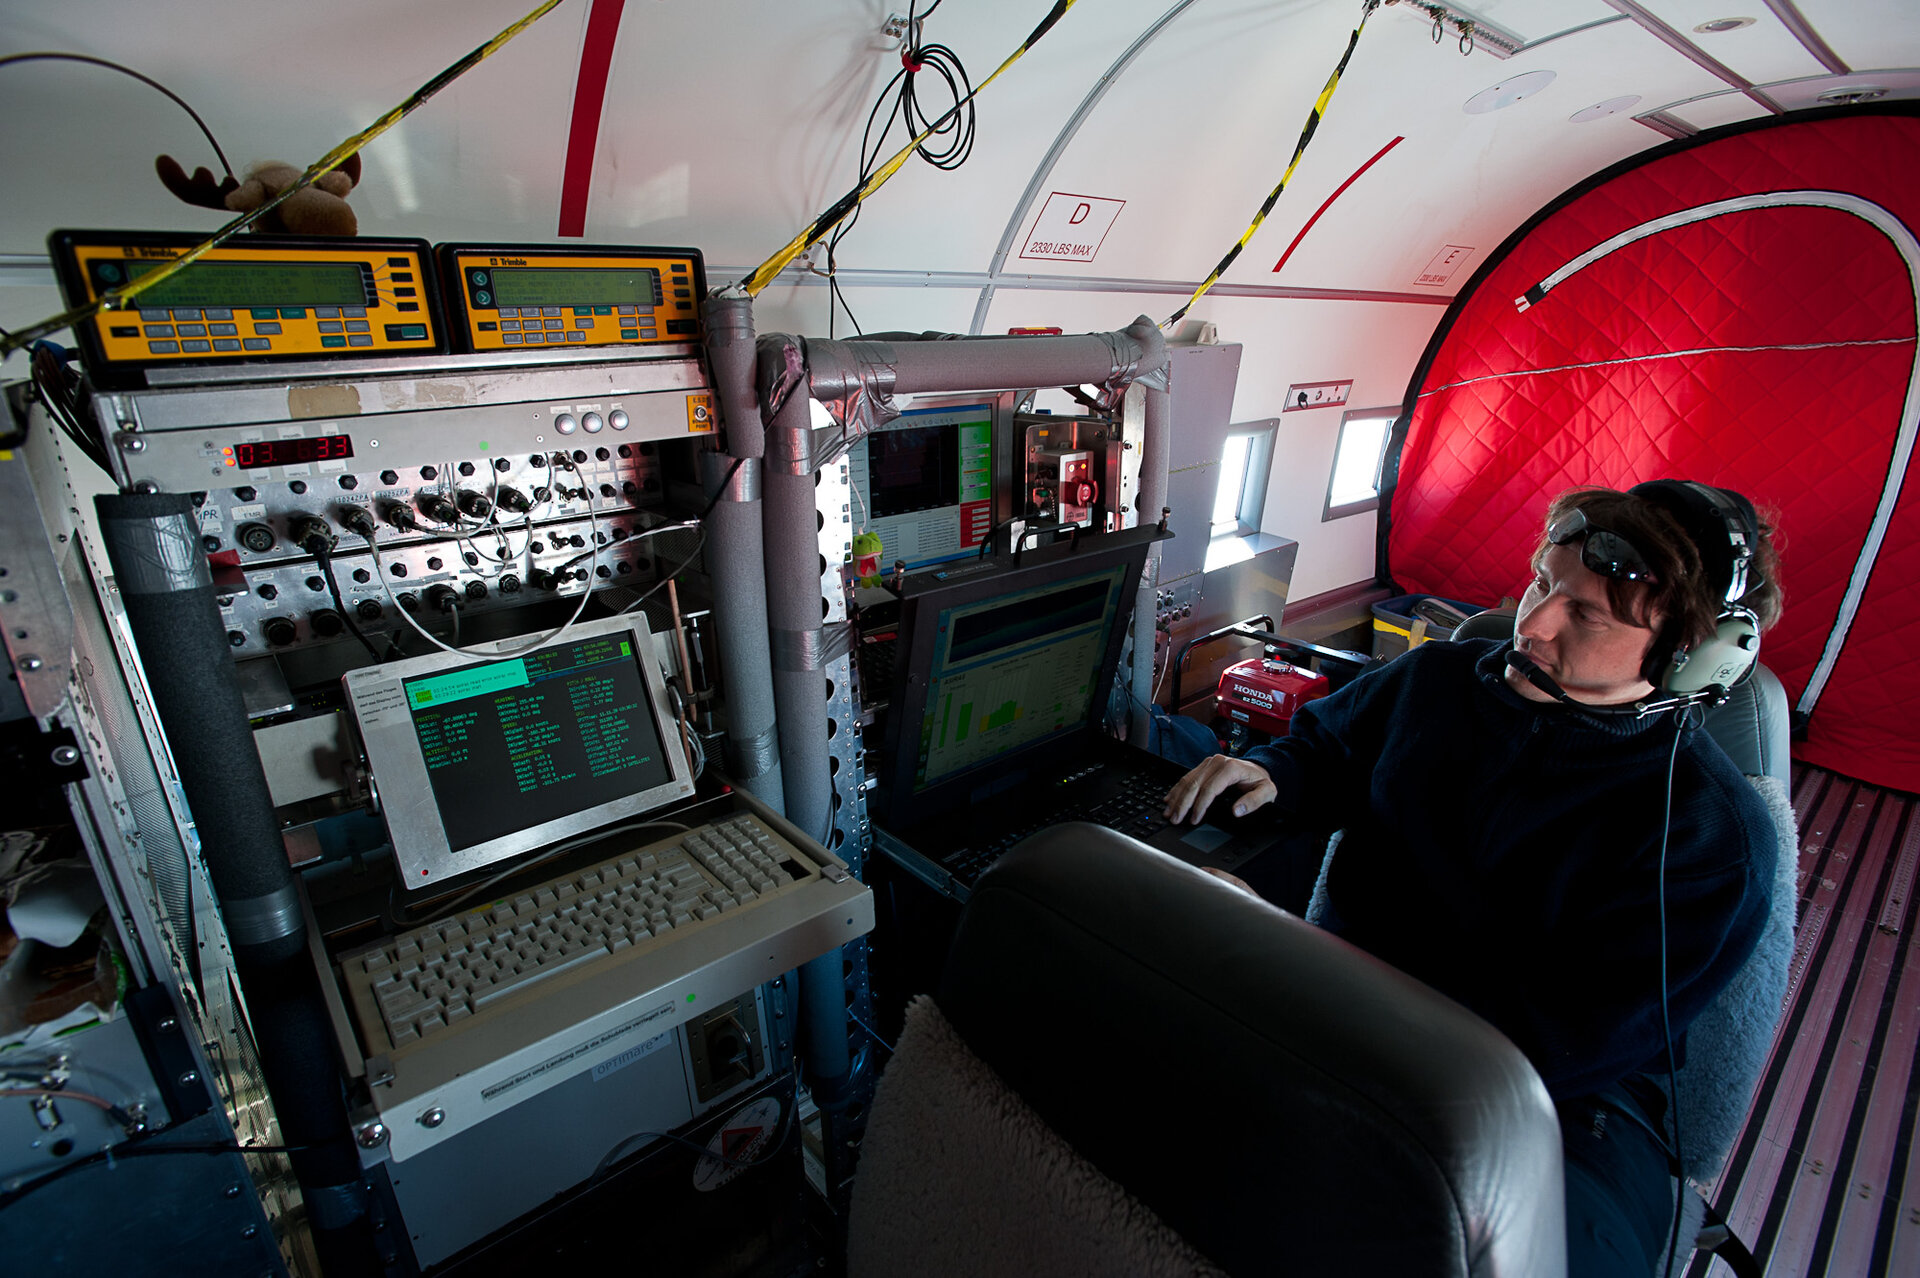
(1278, 1099)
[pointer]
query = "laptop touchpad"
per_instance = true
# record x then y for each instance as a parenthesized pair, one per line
(1206, 838)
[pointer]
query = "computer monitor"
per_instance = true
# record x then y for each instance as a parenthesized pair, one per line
(1001, 666)
(930, 483)
(475, 761)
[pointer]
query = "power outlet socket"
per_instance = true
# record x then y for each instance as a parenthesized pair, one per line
(1317, 395)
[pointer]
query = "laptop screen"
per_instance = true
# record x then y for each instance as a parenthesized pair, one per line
(1005, 667)
(1014, 671)
(477, 760)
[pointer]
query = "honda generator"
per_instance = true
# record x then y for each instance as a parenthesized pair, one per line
(1264, 693)
(1256, 699)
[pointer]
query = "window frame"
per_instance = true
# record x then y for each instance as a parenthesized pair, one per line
(1249, 509)
(1329, 511)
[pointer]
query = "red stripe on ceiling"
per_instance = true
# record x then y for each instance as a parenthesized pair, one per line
(1330, 199)
(589, 95)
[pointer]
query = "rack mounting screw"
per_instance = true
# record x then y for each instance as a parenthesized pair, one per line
(65, 756)
(371, 1135)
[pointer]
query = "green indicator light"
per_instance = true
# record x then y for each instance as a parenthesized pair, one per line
(483, 445)
(689, 998)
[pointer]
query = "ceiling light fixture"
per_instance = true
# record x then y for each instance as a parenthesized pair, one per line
(1507, 92)
(1718, 25)
(1601, 110)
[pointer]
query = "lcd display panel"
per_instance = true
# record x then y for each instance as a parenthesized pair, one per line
(245, 284)
(523, 741)
(579, 286)
(924, 483)
(476, 760)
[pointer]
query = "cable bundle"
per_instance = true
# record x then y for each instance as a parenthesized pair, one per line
(946, 137)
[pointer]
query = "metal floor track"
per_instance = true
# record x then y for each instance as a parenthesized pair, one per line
(1823, 1180)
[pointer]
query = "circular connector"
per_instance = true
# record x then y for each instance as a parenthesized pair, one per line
(255, 537)
(436, 507)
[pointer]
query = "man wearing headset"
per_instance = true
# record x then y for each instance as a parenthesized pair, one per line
(1511, 837)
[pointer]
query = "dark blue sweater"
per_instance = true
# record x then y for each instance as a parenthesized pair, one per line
(1507, 853)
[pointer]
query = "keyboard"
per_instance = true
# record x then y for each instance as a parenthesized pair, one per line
(424, 981)
(1134, 809)
(469, 1014)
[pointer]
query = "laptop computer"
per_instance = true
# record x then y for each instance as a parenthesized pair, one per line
(996, 728)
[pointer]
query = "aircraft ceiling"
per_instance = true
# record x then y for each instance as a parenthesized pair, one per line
(729, 124)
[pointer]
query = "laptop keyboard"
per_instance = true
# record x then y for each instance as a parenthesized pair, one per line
(1134, 810)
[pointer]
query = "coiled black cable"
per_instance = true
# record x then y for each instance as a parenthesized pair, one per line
(952, 125)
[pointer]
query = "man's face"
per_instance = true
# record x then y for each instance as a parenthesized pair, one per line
(1567, 627)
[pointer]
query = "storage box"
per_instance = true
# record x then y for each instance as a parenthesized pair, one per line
(1405, 621)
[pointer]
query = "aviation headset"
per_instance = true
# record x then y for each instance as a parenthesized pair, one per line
(1725, 529)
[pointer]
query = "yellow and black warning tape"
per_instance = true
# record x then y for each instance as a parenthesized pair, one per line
(763, 274)
(325, 164)
(1273, 197)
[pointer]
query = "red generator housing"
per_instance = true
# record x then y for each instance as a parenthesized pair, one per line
(1264, 693)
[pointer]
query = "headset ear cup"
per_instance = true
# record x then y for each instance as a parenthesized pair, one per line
(1719, 661)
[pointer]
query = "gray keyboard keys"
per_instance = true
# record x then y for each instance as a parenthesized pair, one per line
(429, 980)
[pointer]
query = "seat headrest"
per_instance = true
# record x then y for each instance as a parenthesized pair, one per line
(1279, 1097)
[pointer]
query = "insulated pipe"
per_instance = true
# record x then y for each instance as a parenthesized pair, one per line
(153, 545)
(1153, 495)
(823, 1020)
(736, 560)
(985, 363)
(792, 533)
(794, 573)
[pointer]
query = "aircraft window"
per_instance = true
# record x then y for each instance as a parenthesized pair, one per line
(1355, 484)
(1241, 497)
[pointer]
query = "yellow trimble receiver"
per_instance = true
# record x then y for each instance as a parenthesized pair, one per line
(255, 297)
(508, 297)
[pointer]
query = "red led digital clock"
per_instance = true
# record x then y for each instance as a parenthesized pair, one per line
(262, 453)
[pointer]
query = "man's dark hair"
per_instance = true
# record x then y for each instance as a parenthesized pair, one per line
(1684, 594)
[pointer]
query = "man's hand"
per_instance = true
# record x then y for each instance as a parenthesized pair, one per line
(1234, 879)
(1192, 794)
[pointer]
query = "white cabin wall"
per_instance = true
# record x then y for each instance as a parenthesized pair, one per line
(1289, 342)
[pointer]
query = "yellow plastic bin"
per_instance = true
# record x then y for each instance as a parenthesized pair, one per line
(1406, 621)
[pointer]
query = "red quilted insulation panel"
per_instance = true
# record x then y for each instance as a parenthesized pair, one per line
(1765, 350)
